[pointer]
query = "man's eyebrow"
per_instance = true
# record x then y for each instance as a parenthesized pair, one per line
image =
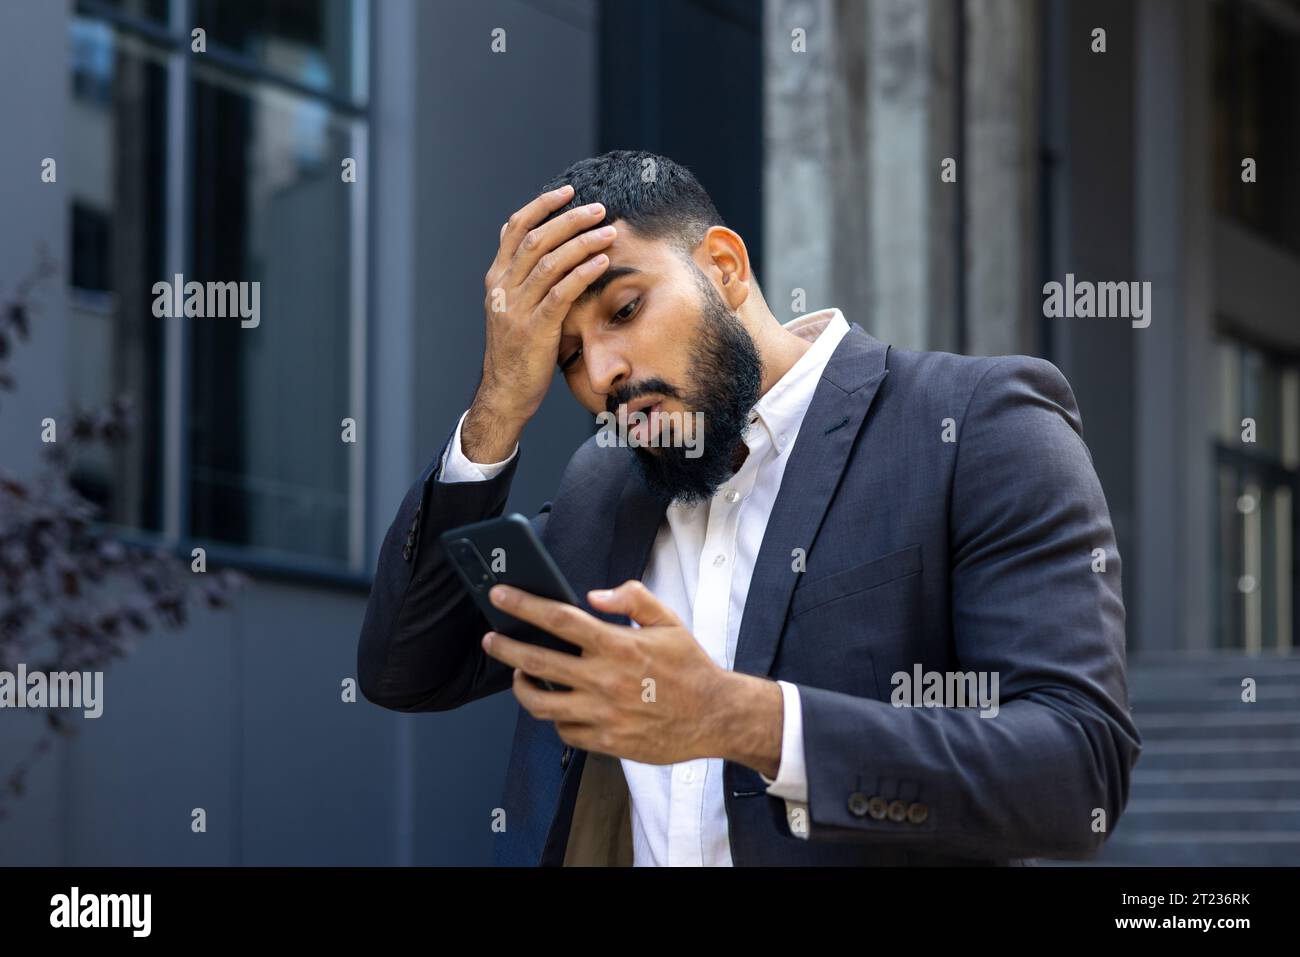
(603, 280)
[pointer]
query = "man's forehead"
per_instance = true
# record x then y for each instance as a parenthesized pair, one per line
(630, 254)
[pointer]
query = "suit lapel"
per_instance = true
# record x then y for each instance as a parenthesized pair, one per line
(590, 552)
(636, 524)
(839, 407)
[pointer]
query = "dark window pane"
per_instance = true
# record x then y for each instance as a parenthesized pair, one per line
(92, 231)
(1257, 115)
(268, 467)
(1255, 531)
(1228, 567)
(309, 41)
(156, 10)
(114, 175)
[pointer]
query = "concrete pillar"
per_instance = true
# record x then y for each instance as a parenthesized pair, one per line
(858, 127)
(1174, 368)
(814, 178)
(1002, 294)
(910, 98)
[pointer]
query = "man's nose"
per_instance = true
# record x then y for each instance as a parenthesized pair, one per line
(607, 369)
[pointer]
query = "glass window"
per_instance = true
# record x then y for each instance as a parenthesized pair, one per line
(157, 10)
(1258, 480)
(225, 170)
(268, 464)
(1257, 115)
(114, 170)
(310, 42)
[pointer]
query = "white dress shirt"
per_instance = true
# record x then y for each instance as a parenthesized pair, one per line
(700, 567)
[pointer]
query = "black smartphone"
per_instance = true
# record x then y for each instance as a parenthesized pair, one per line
(507, 551)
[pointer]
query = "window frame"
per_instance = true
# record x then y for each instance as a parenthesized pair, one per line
(1266, 468)
(171, 42)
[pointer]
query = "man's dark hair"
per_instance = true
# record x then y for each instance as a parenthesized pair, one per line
(658, 198)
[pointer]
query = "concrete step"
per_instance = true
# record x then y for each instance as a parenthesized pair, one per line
(1216, 700)
(1204, 849)
(1213, 665)
(1220, 753)
(1247, 723)
(1270, 784)
(1210, 814)
(1218, 782)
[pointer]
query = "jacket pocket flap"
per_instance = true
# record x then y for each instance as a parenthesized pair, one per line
(870, 574)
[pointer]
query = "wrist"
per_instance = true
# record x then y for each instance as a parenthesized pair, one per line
(751, 718)
(489, 435)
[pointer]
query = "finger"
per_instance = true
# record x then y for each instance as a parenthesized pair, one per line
(557, 666)
(561, 261)
(584, 737)
(636, 601)
(559, 618)
(540, 240)
(555, 305)
(524, 219)
(569, 706)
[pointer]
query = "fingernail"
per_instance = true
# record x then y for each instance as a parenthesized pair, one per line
(605, 232)
(601, 594)
(595, 208)
(499, 594)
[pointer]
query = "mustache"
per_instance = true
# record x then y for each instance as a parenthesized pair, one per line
(629, 393)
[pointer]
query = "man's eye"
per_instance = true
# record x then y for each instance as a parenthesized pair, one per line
(620, 317)
(626, 313)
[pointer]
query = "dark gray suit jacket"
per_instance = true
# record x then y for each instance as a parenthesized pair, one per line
(968, 555)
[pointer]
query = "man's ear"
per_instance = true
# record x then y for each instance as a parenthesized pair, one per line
(722, 257)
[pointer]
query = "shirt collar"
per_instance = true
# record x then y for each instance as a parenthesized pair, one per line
(781, 409)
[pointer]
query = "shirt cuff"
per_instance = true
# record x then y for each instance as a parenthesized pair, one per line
(791, 782)
(791, 776)
(457, 468)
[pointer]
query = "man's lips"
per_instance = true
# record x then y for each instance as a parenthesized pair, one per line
(640, 431)
(643, 404)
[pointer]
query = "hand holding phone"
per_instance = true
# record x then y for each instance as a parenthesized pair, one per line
(507, 551)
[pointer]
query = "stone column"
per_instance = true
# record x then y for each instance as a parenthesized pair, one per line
(859, 123)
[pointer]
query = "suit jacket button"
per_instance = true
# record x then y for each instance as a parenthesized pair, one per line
(897, 811)
(917, 813)
(858, 804)
(406, 551)
(564, 758)
(878, 807)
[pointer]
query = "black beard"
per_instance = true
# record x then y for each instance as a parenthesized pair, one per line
(726, 379)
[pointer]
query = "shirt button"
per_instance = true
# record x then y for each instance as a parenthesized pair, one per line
(688, 775)
(719, 561)
(732, 496)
